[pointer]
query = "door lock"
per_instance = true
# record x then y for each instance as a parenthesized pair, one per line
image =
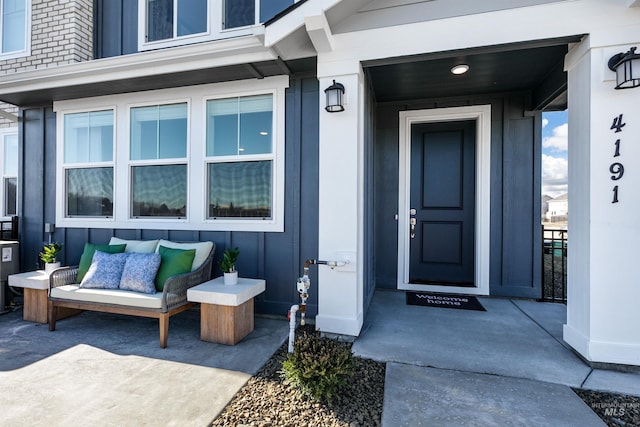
(412, 224)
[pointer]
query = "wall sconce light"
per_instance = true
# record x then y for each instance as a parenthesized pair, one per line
(627, 68)
(335, 95)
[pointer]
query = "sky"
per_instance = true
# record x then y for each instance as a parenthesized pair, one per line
(554, 153)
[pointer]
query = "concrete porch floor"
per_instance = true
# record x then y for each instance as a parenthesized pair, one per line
(504, 366)
(109, 370)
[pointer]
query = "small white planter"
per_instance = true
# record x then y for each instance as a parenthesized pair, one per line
(50, 266)
(231, 278)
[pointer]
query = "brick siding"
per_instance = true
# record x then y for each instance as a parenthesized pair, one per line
(61, 33)
(6, 123)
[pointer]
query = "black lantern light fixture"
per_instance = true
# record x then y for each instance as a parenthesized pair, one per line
(627, 68)
(335, 95)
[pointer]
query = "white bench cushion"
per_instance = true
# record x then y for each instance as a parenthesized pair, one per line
(139, 246)
(108, 296)
(202, 250)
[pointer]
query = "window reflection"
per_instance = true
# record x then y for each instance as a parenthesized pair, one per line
(90, 192)
(10, 196)
(239, 13)
(159, 20)
(159, 132)
(192, 17)
(270, 8)
(14, 21)
(240, 189)
(88, 137)
(240, 126)
(159, 191)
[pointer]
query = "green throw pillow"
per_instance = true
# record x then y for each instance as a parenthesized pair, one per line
(87, 256)
(174, 262)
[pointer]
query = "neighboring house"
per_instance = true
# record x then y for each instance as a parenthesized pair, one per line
(205, 120)
(545, 206)
(558, 208)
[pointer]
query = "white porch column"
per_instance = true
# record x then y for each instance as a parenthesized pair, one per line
(340, 301)
(603, 309)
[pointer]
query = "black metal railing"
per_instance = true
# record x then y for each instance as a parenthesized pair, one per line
(554, 265)
(9, 229)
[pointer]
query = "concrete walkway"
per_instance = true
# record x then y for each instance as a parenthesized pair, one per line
(504, 366)
(108, 370)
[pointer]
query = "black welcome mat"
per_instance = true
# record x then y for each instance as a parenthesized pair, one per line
(429, 299)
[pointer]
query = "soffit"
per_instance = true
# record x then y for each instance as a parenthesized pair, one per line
(492, 70)
(252, 70)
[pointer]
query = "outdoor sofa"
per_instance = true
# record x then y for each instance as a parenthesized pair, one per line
(67, 291)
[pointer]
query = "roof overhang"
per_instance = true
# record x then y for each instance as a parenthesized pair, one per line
(225, 60)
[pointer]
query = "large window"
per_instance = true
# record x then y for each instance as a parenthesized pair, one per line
(158, 155)
(88, 164)
(14, 27)
(10, 173)
(165, 23)
(206, 157)
(240, 156)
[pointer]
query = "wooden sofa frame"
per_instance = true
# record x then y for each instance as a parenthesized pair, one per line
(174, 297)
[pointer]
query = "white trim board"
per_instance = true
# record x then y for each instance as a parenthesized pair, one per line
(482, 115)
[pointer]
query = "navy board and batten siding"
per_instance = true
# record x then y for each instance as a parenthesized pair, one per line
(276, 257)
(115, 28)
(515, 191)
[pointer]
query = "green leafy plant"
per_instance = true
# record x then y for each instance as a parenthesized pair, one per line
(50, 252)
(319, 367)
(228, 261)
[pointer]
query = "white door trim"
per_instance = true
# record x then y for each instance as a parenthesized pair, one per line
(482, 115)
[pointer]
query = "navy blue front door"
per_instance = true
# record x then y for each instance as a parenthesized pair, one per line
(443, 203)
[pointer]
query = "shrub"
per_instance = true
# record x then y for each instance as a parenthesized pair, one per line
(319, 367)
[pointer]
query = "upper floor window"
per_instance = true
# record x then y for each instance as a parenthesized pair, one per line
(9, 173)
(15, 26)
(166, 23)
(168, 19)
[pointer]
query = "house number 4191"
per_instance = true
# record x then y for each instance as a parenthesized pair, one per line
(616, 168)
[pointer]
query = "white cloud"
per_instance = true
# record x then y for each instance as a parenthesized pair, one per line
(545, 122)
(555, 179)
(557, 142)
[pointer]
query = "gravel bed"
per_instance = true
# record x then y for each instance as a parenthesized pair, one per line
(266, 401)
(615, 410)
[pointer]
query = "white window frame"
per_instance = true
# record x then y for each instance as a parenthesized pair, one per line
(272, 157)
(27, 36)
(4, 132)
(214, 31)
(157, 162)
(62, 167)
(197, 97)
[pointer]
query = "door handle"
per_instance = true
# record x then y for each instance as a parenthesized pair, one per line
(412, 227)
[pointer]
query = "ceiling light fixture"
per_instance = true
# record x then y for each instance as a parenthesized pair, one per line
(460, 69)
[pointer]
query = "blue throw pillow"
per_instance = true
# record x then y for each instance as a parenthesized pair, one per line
(140, 272)
(105, 271)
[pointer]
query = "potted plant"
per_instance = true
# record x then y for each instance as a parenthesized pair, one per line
(228, 266)
(48, 256)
